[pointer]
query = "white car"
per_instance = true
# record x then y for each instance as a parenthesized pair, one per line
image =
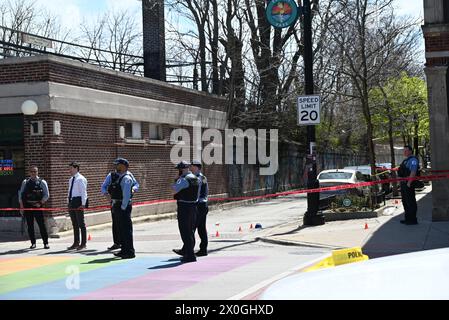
(419, 275)
(336, 177)
(365, 169)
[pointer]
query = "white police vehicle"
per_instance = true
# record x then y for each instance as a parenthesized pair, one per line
(422, 275)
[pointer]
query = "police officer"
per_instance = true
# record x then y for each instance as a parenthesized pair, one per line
(186, 190)
(120, 190)
(115, 217)
(409, 168)
(202, 208)
(33, 194)
(77, 200)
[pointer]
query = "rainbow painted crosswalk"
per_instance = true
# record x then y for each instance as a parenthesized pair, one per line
(106, 278)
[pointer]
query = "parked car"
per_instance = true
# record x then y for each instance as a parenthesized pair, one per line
(336, 177)
(410, 276)
(384, 165)
(382, 173)
(364, 169)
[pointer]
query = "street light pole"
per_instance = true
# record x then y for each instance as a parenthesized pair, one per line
(311, 217)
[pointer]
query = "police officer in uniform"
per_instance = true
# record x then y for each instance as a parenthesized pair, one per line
(113, 176)
(409, 168)
(33, 194)
(186, 190)
(120, 190)
(202, 208)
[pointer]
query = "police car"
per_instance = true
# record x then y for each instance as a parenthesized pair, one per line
(422, 275)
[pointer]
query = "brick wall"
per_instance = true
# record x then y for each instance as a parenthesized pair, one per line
(437, 42)
(84, 75)
(95, 143)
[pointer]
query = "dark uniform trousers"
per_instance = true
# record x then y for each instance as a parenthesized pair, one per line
(116, 226)
(77, 217)
(125, 225)
(203, 209)
(187, 213)
(409, 202)
(39, 216)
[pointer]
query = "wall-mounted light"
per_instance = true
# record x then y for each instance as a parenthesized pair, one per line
(29, 107)
(57, 127)
(122, 132)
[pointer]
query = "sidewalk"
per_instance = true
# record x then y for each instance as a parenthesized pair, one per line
(384, 235)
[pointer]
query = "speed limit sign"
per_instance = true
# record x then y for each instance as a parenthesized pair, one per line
(308, 110)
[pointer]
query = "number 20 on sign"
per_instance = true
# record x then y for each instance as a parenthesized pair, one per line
(308, 110)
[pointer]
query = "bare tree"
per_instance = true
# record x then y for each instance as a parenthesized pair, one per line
(371, 44)
(113, 41)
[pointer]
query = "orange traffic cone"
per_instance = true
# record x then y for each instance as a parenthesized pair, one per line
(366, 225)
(89, 237)
(217, 234)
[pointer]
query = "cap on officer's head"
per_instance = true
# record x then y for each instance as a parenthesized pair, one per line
(121, 161)
(197, 163)
(182, 165)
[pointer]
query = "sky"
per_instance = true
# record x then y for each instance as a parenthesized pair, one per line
(72, 12)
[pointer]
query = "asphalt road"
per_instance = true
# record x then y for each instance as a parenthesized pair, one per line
(237, 266)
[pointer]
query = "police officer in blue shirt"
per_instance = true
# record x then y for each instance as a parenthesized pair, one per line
(120, 190)
(409, 168)
(202, 208)
(186, 190)
(113, 176)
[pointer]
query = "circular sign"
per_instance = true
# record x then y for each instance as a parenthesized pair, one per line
(347, 202)
(282, 13)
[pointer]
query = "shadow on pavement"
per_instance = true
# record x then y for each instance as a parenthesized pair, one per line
(83, 252)
(302, 227)
(105, 260)
(394, 237)
(231, 246)
(20, 251)
(94, 252)
(166, 266)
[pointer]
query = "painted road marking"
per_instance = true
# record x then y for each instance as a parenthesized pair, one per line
(108, 278)
(107, 275)
(9, 266)
(166, 281)
(27, 278)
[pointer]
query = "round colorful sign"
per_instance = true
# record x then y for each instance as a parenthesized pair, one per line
(282, 13)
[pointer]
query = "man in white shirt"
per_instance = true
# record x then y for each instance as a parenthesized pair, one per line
(77, 199)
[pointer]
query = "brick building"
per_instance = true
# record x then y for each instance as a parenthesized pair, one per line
(436, 34)
(92, 115)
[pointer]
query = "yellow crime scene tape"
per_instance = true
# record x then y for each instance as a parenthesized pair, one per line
(339, 257)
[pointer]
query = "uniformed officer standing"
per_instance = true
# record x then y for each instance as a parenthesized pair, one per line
(186, 190)
(120, 190)
(409, 168)
(77, 200)
(33, 194)
(114, 176)
(202, 207)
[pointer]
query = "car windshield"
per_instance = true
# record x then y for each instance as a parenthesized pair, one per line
(335, 175)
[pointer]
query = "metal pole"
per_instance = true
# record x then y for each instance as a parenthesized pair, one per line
(311, 217)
